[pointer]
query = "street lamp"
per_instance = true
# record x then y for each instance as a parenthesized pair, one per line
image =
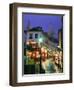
(40, 40)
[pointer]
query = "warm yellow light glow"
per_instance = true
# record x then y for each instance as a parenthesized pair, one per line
(33, 42)
(30, 53)
(37, 52)
(42, 49)
(27, 42)
(45, 51)
(37, 56)
(33, 54)
(43, 55)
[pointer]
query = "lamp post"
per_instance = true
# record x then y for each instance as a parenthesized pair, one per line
(40, 41)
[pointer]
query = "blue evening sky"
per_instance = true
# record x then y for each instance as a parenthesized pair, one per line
(47, 22)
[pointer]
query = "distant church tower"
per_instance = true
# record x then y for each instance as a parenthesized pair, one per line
(28, 25)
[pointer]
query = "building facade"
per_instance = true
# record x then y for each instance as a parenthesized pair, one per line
(35, 34)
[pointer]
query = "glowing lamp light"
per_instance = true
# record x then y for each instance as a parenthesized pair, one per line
(45, 51)
(42, 49)
(43, 55)
(58, 46)
(40, 40)
(27, 43)
(33, 55)
(37, 52)
(37, 56)
(33, 42)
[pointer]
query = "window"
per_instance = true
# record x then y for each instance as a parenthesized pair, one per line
(30, 36)
(36, 35)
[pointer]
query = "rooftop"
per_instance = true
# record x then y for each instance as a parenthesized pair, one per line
(39, 29)
(36, 29)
